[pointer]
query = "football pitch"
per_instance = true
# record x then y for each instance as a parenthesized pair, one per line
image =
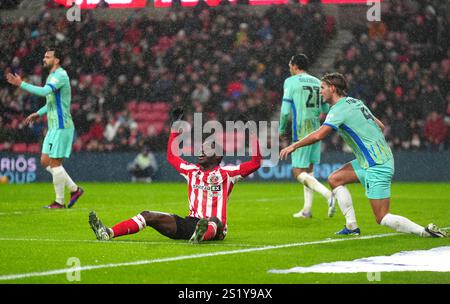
(41, 246)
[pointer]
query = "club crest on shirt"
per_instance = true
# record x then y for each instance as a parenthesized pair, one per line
(213, 179)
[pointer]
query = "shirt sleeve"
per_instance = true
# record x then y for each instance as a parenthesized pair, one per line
(335, 118)
(35, 90)
(182, 166)
(237, 173)
(42, 110)
(286, 107)
(56, 82)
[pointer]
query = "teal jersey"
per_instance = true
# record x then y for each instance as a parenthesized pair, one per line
(302, 99)
(58, 95)
(356, 125)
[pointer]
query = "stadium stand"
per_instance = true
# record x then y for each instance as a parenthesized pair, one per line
(224, 62)
(400, 67)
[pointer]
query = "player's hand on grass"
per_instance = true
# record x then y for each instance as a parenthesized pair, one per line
(14, 79)
(284, 153)
(32, 117)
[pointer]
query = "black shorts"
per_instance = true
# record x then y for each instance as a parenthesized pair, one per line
(185, 227)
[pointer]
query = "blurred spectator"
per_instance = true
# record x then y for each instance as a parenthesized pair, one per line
(143, 166)
(9, 4)
(201, 93)
(435, 132)
(400, 68)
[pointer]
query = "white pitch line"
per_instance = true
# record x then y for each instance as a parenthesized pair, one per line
(185, 257)
(42, 211)
(121, 242)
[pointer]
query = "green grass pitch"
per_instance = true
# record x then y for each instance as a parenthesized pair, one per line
(35, 241)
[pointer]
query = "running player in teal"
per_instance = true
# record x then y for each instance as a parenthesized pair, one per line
(374, 163)
(58, 141)
(302, 99)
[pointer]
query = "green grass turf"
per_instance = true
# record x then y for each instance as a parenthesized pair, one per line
(33, 239)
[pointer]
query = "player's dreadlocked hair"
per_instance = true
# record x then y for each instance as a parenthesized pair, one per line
(338, 81)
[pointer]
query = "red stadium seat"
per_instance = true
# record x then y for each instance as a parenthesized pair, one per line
(161, 106)
(132, 106)
(33, 148)
(144, 107)
(19, 148)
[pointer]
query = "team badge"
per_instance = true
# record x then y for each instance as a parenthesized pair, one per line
(213, 179)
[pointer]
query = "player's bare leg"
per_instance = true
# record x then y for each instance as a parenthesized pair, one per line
(311, 184)
(166, 224)
(162, 222)
(60, 180)
(337, 180)
(399, 223)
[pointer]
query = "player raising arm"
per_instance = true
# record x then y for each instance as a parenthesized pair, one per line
(374, 163)
(209, 188)
(58, 140)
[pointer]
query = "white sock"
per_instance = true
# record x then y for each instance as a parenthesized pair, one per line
(402, 224)
(344, 199)
(312, 183)
(69, 182)
(140, 220)
(308, 195)
(59, 179)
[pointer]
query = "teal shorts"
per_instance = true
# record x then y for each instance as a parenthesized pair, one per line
(376, 179)
(305, 156)
(58, 143)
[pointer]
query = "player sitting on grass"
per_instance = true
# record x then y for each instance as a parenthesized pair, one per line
(209, 187)
(374, 163)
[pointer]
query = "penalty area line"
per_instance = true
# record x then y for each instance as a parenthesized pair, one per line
(184, 257)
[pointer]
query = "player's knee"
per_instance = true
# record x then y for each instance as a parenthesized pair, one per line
(44, 161)
(148, 216)
(333, 181)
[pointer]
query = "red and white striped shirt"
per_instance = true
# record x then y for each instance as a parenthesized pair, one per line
(208, 191)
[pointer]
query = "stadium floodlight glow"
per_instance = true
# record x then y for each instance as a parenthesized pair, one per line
(89, 4)
(187, 3)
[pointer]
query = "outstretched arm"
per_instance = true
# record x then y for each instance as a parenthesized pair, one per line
(40, 91)
(251, 166)
(238, 172)
(172, 151)
(35, 90)
(179, 164)
(312, 138)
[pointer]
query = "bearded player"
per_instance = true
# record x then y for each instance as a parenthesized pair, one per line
(58, 140)
(209, 188)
